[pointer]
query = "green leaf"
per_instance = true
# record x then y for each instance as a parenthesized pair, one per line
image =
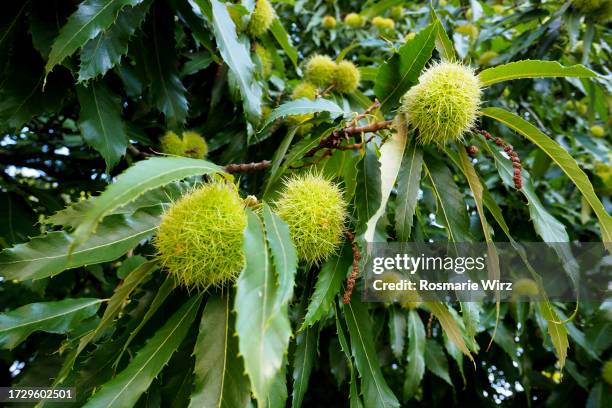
(138, 179)
(329, 281)
(367, 193)
(599, 396)
(376, 392)
(168, 92)
(100, 122)
(391, 153)
(90, 19)
(416, 354)
(397, 331)
(444, 45)
(105, 51)
(281, 36)
(556, 331)
(354, 399)
(126, 388)
(263, 329)
(283, 254)
(47, 255)
(562, 158)
(402, 70)
(532, 69)
(235, 53)
(451, 203)
(51, 317)
(449, 325)
(116, 303)
(545, 224)
(277, 159)
(304, 356)
(436, 361)
(219, 371)
(379, 7)
(302, 106)
(408, 183)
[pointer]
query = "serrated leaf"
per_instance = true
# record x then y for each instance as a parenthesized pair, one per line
(306, 342)
(51, 317)
(126, 388)
(451, 204)
(235, 53)
(138, 179)
(263, 329)
(532, 69)
(449, 325)
(91, 18)
(283, 254)
(219, 371)
(376, 392)
(47, 255)
(105, 51)
(100, 122)
(408, 183)
(390, 163)
(416, 354)
(281, 36)
(329, 281)
(278, 158)
(167, 90)
(562, 158)
(367, 192)
(303, 106)
(436, 361)
(556, 331)
(354, 399)
(402, 70)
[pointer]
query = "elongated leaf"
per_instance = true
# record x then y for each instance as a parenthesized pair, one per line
(235, 53)
(402, 70)
(85, 23)
(416, 354)
(562, 158)
(329, 282)
(436, 361)
(126, 388)
(390, 163)
(219, 371)
(306, 343)
(168, 92)
(51, 317)
(47, 255)
(408, 184)
(143, 176)
(281, 36)
(283, 254)
(354, 399)
(397, 331)
(376, 392)
(367, 192)
(100, 122)
(263, 330)
(532, 69)
(302, 106)
(449, 325)
(556, 331)
(444, 45)
(277, 159)
(116, 303)
(104, 51)
(452, 208)
(379, 7)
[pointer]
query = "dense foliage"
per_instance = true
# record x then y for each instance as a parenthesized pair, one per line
(288, 120)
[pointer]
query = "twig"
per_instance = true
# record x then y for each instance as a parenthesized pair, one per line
(334, 140)
(247, 167)
(350, 283)
(514, 157)
(137, 153)
(319, 159)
